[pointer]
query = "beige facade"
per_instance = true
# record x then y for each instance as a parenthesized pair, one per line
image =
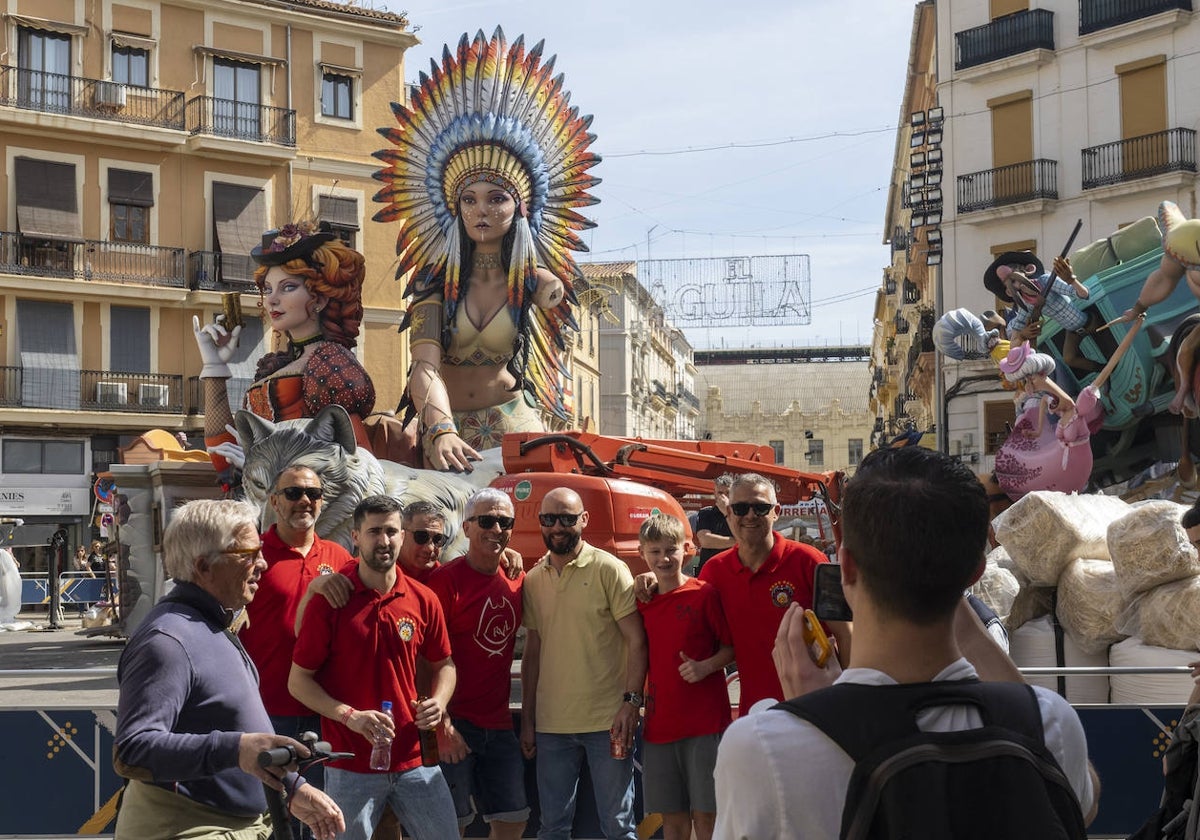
(146, 147)
(902, 387)
(646, 371)
(810, 405)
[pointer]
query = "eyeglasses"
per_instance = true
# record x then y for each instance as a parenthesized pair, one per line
(487, 521)
(422, 537)
(567, 520)
(293, 494)
(246, 555)
(759, 508)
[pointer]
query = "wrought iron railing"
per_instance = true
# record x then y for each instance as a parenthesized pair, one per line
(689, 398)
(241, 120)
(1095, 15)
(912, 292)
(216, 272)
(37, 90)
(92, 259)
(99, 390)
(1173, 150)
(1035, 179)
(1010, 35)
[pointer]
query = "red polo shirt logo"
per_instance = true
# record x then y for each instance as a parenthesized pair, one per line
(406, 629)
(782, 593)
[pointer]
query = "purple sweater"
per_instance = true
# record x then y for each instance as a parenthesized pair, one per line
(187, 693)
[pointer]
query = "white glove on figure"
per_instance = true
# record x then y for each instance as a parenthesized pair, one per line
(217, 346)
(230, 450)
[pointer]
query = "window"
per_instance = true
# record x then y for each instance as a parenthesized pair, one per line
(998, 420)
(130, 197)
(43, 457)
(855, 453)
(44, 70)
(49, 360)
(47, 214)
(816, 453)
(131, 65)
(337, 96)
(237, 94)
(777, 445)
(130, 330)
(342, 216)
(239, 218)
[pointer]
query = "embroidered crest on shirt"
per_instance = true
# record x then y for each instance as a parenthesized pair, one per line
(324, 569)
(497, 623)
(406, 628)
(782, 593)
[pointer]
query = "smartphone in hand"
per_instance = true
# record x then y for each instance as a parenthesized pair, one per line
(819, 646)
(829, 602)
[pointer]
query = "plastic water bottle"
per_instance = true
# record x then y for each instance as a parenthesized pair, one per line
(381, 753)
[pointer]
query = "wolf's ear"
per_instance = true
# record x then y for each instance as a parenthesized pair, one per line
(333, 424)
(251, 428)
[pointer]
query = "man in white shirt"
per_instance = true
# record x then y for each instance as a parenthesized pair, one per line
(915, 528)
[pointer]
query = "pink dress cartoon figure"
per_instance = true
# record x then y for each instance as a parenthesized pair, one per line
(1072, 429)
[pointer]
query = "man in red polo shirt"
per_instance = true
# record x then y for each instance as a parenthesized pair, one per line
(297, 561)
(348, 661)
(756, 580)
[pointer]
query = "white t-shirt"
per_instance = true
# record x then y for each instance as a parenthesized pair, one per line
(779, 777)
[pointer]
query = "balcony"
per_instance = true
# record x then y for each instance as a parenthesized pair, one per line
(241, 121)
(91, 390)
(51, 93)
(1029, 181)
(689, 399)
(1173, 150)
(1010, 35)
(1095, 15)
(213, 271)
(91, 259)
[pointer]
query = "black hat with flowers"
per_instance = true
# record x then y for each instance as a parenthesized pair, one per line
(294, 241)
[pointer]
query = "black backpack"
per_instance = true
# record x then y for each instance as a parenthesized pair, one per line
(998, 781)
(1177, 818)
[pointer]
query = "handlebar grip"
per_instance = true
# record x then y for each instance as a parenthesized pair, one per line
(278, 757)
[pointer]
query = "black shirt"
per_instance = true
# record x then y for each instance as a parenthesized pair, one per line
(711, 519)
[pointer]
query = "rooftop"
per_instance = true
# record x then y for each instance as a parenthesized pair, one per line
(352, 8)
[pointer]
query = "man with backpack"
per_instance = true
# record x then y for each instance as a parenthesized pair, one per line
(908, 742)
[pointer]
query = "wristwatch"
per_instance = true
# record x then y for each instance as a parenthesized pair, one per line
(634, 697)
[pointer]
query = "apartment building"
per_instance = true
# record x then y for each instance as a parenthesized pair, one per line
(146, 147)
(1055, 111)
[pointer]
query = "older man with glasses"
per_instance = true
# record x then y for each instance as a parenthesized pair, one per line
(757, 580)
(190, 722)
(582, 673)
(299, 565)
(482, 759)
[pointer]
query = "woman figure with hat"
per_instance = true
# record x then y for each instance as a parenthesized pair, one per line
(488, 161)
(310, 287)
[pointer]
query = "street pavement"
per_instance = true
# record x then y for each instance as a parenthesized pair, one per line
(44, 668)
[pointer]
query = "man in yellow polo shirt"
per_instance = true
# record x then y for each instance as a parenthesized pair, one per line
(582, 673)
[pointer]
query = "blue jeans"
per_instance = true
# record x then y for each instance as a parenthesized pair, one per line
(419, 798)
(559, 760)
(493, 773)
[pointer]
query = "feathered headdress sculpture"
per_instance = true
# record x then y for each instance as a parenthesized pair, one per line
(493, 112)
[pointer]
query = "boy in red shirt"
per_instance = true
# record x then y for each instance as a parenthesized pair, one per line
(687, 703)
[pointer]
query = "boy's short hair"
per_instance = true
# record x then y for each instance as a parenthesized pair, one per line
(1191, 516)
(659, 527)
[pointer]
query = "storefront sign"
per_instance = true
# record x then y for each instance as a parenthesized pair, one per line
(44, 501)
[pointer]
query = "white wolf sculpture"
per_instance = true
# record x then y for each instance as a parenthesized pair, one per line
(326, 445)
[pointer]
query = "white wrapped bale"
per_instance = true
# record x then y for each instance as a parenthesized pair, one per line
(1032, 646)
(1149, 547)
(1045, 531)
(1090, 604)
(997, 587)
(1168, 616)
(1148, 689)
(998, 556)
(1031, 602)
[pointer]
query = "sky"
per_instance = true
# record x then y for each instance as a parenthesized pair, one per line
(750, 128)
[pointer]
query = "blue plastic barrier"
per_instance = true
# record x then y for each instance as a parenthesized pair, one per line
(73, 588)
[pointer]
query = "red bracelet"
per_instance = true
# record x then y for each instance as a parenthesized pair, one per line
(344, 717)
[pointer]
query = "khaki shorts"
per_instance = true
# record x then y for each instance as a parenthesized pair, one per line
(148, 811)
(678, 777)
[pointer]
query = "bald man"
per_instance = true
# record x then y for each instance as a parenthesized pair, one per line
(582, 673)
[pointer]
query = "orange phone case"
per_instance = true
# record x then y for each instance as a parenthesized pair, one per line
(814, 636)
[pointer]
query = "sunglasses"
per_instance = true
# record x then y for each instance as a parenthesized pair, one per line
(487, 521)
(293, 494)
(422, 537)
(245, 555)
(567, 520)
(759, 508)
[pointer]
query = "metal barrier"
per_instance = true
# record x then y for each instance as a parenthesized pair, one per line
(73, 588)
